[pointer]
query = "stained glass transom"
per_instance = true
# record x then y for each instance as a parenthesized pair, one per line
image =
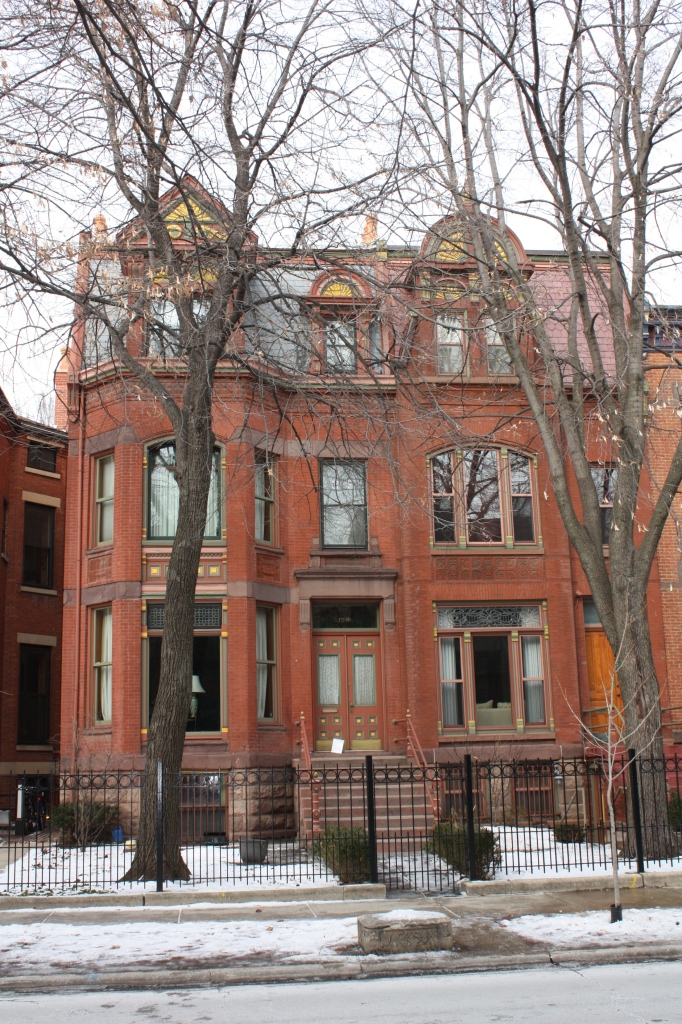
(206, 616)
(509, 616)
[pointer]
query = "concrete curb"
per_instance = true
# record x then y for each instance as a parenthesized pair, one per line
(630, 880)
(292, 973)
(177, 898)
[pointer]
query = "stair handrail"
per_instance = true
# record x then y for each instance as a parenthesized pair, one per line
(305, 744)
(415, 750)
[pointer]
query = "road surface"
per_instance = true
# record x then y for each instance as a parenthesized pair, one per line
(620, 994)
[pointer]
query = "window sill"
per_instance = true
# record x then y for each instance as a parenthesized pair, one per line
(100, 550)
(39, 590)
(42, 472)
(495, 734)
(167, 542)
(343, 551)
(98, 730)
(262, 545)
(34, 746)
(270, 727)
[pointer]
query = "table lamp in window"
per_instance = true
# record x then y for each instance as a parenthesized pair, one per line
(194, 703)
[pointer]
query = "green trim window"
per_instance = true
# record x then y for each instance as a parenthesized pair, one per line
(483, 496)
(104, 499)
(451, 341)
(101, 664)
(163, 495)
(266, 664)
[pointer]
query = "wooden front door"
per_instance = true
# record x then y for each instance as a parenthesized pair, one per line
(347, 675)
(600, 678)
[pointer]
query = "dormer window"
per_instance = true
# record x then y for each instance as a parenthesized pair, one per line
(451, 337)
(340, 346)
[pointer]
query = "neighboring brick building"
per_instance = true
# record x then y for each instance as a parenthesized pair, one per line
(350, 574)
(32, 493)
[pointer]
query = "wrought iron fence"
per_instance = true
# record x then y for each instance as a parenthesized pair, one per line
(410, 827)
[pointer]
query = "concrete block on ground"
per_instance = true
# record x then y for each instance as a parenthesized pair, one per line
(404, 931)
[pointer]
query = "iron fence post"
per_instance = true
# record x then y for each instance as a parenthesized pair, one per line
(371, 821)
(159, 827)
(636, 810)
(471, 834)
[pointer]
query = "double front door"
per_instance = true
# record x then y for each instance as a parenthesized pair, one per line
(347, 673)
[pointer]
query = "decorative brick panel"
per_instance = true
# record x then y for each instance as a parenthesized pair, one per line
(499, 567)
(268, 567)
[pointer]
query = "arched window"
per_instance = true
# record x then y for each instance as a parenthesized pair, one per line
(164, 494)
(483, 496)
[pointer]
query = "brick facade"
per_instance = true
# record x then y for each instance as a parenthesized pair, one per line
(31, 616)
(402, 569)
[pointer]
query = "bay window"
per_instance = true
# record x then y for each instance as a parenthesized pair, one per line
(164, 495)
(483, 496)
(491, 667)
(204, 710)
(266, 664)
(101, 664)
(104, 499)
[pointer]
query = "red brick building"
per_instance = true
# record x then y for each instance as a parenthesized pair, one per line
(32, 493)
(350, 571)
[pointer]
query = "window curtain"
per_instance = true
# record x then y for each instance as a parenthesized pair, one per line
(451, 694)
(328, 679)
(104, 658)
(164, 496)
(533, 683)
(261, 659)
(364, 682)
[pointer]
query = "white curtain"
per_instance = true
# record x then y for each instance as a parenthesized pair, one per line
(448, 657)
(328, 679)
(533, 683)
(451, 693)
(103, 659)
(212, 528)
(164, 494)
(364, 680)
(261, 659)
(261, 493)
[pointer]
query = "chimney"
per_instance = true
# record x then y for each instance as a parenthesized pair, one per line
(100, 225)
(369, 232)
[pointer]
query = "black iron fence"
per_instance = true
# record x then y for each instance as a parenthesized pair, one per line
(410, 827)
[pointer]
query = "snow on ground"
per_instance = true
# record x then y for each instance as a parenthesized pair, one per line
(64, 870)
(574, 931)
(145, 944)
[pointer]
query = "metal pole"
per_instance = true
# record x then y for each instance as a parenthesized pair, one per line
(471, 833)
(636, 810)
(159, 827)
(371, 821)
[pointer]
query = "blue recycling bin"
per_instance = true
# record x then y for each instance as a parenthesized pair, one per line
(117, 834)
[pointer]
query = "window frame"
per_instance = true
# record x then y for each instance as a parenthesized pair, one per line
(461, 531)
(324, 504)
(463, 327)
(148, 466)
(100, 501)
(608, 482)
(347, 322)
(98, 665)
(272, 664)
(268, 462)
(490, 328)
(153, 632)
(22, 697)
(50, 510)
(519, 721)
(33, 445)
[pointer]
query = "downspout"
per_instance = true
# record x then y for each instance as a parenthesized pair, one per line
(79, 557)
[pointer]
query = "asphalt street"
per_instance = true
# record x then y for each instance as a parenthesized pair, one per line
(619, 994)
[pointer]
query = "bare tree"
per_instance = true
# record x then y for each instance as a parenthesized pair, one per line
(565, 114)
(205, 123)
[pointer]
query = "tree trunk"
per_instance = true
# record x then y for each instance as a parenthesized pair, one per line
(166, 733)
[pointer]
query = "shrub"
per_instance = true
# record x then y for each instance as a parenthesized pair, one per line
(84, 822)
(450, 841)
(346, 852)
(675, 810)
(569, 832)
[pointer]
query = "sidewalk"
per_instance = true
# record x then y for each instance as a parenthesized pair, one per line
(213, 943)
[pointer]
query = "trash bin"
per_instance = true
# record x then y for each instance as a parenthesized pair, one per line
(117, 834)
